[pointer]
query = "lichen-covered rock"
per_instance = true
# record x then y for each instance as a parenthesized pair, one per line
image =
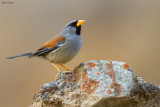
(98, 83)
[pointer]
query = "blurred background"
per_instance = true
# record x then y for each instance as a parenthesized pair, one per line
(122, 30)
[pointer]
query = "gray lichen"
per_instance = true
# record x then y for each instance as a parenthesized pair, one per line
(98, 83)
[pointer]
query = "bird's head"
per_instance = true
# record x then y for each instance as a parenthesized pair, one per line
(72, 28)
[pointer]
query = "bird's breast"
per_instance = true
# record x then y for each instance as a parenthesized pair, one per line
(67, 52)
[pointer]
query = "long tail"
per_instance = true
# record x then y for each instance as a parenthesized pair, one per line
(21, 55)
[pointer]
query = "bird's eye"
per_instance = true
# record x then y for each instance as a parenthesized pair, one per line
(72, 24)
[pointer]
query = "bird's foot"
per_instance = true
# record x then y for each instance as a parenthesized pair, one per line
(66, 71)
(57, 76)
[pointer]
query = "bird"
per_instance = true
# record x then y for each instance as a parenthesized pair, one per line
(62, 48)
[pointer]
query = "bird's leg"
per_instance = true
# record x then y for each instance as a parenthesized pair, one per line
(57, 69)
(67, 70)
(65, 67)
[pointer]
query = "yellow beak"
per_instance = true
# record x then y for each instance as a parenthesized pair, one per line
(80, 22)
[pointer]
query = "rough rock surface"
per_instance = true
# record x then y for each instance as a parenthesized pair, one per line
(98, 83)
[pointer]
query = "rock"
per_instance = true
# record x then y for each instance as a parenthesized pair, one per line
(98, 83)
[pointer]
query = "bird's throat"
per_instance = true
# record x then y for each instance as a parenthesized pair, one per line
(78, 30)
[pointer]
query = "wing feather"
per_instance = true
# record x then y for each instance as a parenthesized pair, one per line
(54, 44)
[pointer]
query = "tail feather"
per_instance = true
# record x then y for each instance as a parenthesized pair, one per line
(21, 55)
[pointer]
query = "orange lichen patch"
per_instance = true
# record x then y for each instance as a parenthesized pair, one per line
(53, 42)
(84, 75)
(91, 64)
(73, 79)
(109, 91)
(117, 87)
(126, 66)
(66, 80)
(112, 75)
(111, 72)
(89, 85)
(98, 73)
(78, 76)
